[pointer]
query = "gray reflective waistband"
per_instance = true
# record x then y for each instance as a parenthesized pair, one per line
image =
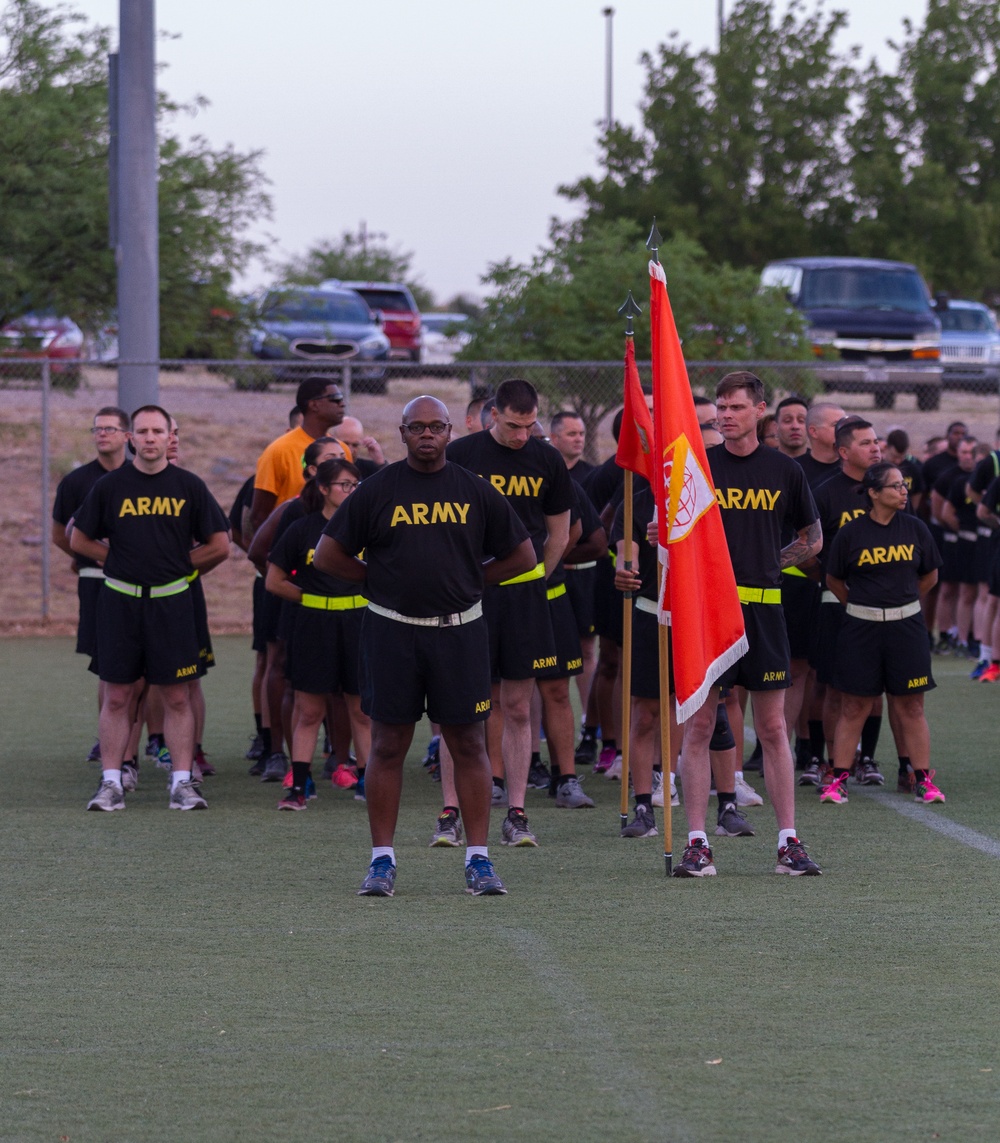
(454, 620)
(91, 573)
(644, 604)
(883, 614)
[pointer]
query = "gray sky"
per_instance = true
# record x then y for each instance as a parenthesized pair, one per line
(446, 125)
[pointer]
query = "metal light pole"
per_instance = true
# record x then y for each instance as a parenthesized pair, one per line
(137, 250)
(609, 16)
(721, 20)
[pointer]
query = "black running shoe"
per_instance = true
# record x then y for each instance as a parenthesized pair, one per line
(481, 879)
(793, 859)
(381, 879)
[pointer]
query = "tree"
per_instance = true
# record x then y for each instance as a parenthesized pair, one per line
(357, 256)
(563, 307)
(54, 191)
(776, 145)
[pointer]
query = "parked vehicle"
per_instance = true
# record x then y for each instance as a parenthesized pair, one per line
(400, 315)
(45, 336)
(970, 346)
(324, 328)
(444, 337)
(872, 325)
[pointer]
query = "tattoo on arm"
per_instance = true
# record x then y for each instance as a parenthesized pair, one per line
(801, 548)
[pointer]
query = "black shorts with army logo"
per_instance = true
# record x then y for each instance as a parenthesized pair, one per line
(155, 639)
(829, 620)
(522, 642)
(569, 657)
(767, 665)
(892, 656)
(580, 585)
(646, 652)
(799, 601)
(406, 669)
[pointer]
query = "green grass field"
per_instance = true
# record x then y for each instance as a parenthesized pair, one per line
(212, 976)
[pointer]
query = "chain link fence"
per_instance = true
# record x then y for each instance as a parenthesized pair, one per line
(228, 411)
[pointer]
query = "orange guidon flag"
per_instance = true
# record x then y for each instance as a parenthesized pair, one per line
(635, 440)
(698, 597)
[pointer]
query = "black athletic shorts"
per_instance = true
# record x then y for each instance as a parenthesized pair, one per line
(607, 602)
(324, 650)
(88, 592)
(959, 559)
(405, 669)
(206, 656)
(829, 619)
(522, 642)
(994, 576)
(799, 601)
(646, 655)
(271, 616)
(155, 639)
(894, 657)
(568, 654)
(984, 554)
(581, 586)
(259, 637)
(767, 665)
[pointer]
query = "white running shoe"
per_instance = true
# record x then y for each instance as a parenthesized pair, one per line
(746, 795)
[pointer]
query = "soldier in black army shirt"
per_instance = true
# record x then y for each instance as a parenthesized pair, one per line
(425, 527)
(141, 522)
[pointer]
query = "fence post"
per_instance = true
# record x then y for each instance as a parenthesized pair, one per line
(46, 527)
(345, 379)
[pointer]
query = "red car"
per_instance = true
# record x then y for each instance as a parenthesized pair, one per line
(44, 336)
(400, 316)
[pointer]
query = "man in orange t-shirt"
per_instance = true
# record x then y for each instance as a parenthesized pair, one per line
(279, 470)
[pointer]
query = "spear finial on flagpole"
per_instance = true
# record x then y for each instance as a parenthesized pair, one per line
(629, 310)
(654, 241)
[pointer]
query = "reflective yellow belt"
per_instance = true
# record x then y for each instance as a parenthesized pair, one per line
(759, 594)
(333, 602)
(555, 592)
(794, 571)
(137, 591)
(537, 572)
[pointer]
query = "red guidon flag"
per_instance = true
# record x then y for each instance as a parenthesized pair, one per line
(635, 438)
(698, 598)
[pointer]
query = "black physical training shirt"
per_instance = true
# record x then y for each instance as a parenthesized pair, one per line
(936, 466)
(985, 472)
(643, 507)
(839, 501)
(580, 471)
(244, 498)
(73, 489)
(150, 521)
(912, 473)
(533, 479)
(603, 482)
(882, 563)
(954, 492)
(293, 553)
(758, 495)
(817, 471)
(425, 536)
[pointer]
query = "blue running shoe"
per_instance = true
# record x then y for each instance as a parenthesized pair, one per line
(310, 788)
(163, 759)
(979, 669)
(381, 879)
(481, 879)
(359, 789)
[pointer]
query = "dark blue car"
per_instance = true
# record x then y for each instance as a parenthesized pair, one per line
(322, 330)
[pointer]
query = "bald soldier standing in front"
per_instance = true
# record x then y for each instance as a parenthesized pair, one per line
(433, 535)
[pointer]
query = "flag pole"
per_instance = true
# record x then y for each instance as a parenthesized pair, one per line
(628, 310)
(663, 647)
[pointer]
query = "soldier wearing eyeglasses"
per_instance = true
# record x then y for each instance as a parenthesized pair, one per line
(433, 535)
(110, 433)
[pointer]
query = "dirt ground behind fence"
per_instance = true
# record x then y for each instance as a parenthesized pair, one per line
(222, 434)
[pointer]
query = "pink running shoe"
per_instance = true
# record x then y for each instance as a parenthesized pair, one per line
(836, 791)
(606, 760)
(346, 777)
(287, 780)
(925, 791)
